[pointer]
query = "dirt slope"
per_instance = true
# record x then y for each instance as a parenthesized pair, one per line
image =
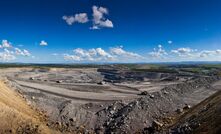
(204, 118)
(16, 116)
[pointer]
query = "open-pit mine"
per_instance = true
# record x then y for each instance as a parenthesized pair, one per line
(112, 99)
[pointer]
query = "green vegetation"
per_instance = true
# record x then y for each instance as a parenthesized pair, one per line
(202, 69)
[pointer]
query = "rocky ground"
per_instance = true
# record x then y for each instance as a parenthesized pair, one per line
(142, 112)
(106, 101)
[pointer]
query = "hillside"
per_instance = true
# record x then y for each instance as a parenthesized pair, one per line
(204, 118)
(16, 116)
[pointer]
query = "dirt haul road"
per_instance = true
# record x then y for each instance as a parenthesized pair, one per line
(71, 94)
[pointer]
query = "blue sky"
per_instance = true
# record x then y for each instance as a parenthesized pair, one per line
(76, 31)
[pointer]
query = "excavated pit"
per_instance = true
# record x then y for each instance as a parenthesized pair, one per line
(90, 99)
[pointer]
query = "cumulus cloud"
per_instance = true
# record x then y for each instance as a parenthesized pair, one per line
(72, 57)
(207, 53)
(119, 54)
(103, 53)
(184, 52)
(87, 55)
(158, 52)
(194, 54)
(5, 44)
(77, 18)
(122, 53)
(9, 53)
(23, 52)
(114, 54)
(43, 43)
(99, 19)
(93, 54)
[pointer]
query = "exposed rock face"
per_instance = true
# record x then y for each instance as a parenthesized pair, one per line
(117, 76)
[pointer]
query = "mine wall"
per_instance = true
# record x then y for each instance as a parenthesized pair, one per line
(117, 76)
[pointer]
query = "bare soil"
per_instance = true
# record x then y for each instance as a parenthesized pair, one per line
(18, 117)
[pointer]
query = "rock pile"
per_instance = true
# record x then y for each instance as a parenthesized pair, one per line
(143, 112)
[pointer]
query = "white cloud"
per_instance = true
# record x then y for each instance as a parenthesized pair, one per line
(43, 43)
(169, 41)
(103, 53)
(120, 52)
(182, 50)
(207, 53)
(218, 51)
(194, 54)
(81, 52)
(185, 52)
(72, 57)
(79, 18)
(6, 57)
(18, 51)
(5, 44)
(99, 20)
(9, 53)
(115, 54)
(26, 52)
(22, 53)
(158, 52)
(85, 54)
